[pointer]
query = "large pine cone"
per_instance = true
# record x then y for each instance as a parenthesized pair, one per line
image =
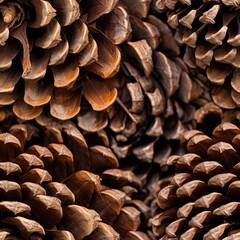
(201, 201)
(45, 194)
(44, 44)
(211, 31)
(157, 98)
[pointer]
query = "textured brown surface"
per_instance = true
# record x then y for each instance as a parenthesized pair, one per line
(139, 108)
(210, 30)
(201, 200)
(53, 52)
(95, 97)
(66, 188)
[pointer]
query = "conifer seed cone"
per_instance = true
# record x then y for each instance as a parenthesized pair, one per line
(47, 193)
(201, 201)
(54, 53)
(211, 32)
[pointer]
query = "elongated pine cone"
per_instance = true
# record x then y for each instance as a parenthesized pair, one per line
(157, 97)
(46, 194)
(48, 47)
(201, 201)
(211, 31)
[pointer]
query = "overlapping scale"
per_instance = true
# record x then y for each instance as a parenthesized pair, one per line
(201, 200)
(53, 47)
(66, 186)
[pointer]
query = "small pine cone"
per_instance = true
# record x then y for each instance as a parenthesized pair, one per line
(55, 197)
(201, 200)
(58, 52)
(211, 31)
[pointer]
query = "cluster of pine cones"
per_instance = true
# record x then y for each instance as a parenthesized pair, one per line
(119, 119)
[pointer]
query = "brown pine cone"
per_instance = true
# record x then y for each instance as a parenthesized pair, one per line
(157, 99)
(54, 198)
(211, 31)
(201, 200)
(92, 153)
(56, 52)
(207, 118)
(156, 88)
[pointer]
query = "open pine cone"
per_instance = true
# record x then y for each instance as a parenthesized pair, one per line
(157, 97)
(46, 194)
(211, 31)
(47, 49)
(201, 201)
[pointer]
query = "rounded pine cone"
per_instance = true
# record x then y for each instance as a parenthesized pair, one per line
(49, 47)
(201, 201)
(47, 194)
(211, 31)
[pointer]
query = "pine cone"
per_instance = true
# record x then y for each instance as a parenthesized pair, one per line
(97, 158)
(207, 118)
(55, 198)
(210, 29)
(201, 200)
(157, 99)
(44, 45)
